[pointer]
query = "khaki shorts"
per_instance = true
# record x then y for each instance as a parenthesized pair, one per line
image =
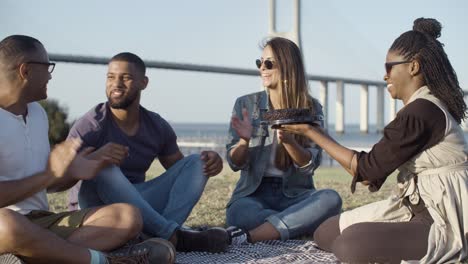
(62, 224)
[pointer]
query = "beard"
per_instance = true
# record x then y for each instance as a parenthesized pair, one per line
(123, 103)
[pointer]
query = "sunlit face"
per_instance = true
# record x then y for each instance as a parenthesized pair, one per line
(270, 78)
(124, 84)
(398, 76)
(38, 75)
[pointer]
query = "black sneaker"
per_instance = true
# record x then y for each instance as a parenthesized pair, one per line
(238, 236)
(212, 240)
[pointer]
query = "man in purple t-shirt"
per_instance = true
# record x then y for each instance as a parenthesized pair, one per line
(131, 137)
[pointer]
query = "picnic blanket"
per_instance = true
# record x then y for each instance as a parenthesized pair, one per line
(271, 252)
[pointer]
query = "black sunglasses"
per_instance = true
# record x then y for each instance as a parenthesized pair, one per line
(50, 65)
(268, 64)
(389, 65)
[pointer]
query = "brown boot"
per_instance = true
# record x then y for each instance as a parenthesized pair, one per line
(153, 250)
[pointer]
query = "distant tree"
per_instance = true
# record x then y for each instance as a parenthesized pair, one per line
(58, 125)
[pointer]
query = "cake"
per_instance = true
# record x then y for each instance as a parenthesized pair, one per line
(279, 117)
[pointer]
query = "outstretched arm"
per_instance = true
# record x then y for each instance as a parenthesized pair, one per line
(300, 155)
(59, 162)
(87, 164)
(344, 156)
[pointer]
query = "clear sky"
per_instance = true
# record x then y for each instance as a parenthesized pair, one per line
(339, 38)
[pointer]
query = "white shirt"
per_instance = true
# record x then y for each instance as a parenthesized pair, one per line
(24, 151)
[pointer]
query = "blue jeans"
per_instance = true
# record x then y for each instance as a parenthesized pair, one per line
(165, 202)
(292, 217)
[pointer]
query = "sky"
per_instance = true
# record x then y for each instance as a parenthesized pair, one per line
(339, 38)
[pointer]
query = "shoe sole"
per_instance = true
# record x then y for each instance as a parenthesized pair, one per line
(220, 233)
(10, 259)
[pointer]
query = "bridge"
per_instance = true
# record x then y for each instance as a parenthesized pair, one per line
(324, 81)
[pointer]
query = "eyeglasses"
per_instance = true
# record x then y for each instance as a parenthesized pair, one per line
(268, 64)
(389, 65)
(50, 65)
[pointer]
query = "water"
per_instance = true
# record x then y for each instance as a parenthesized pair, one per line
(200, 130)
(216, 135)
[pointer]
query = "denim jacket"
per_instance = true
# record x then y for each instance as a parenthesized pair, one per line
(296, 180)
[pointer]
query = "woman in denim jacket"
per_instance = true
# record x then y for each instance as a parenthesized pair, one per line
(275, 197)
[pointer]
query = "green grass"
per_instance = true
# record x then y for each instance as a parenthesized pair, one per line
(210, 210)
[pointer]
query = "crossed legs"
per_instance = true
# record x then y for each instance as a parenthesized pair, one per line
(103, 229)
(374, 241)
(269, 215)
(165, 202)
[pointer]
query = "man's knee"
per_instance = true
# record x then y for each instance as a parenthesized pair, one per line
(194, 160)
(130, 218)
(8, 222)
(123, 217)
(195, 165)
(10, 229)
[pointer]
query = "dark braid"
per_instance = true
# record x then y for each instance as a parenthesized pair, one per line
(421, 44)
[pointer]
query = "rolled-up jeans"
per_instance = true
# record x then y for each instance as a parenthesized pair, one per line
(165, 202)
(292, 217)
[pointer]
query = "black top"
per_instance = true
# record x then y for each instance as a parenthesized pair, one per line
(418, 126)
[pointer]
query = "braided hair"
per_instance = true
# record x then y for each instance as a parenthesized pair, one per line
(421, 44)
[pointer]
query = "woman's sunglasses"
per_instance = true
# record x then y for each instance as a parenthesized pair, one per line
(268, 64)
(389, 65)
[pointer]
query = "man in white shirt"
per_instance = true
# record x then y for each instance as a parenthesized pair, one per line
(27, 228)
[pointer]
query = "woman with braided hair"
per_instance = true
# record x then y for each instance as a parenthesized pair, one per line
(427, 219)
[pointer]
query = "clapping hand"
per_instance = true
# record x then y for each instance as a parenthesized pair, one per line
(61, 157)
(242, 127)
(83, 167)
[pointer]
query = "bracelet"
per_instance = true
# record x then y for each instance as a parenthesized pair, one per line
(302, 167)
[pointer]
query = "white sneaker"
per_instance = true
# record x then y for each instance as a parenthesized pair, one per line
(238, 236)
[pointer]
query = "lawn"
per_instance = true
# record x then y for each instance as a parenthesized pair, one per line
(210, 210)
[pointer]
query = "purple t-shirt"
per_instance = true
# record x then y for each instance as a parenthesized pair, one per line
(155, 137)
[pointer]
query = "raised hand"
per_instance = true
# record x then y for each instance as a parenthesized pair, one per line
(242, 127)
(83, 167)
(213, 164)
(61, 157)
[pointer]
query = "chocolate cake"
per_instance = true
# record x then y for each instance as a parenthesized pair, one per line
(279, 117)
